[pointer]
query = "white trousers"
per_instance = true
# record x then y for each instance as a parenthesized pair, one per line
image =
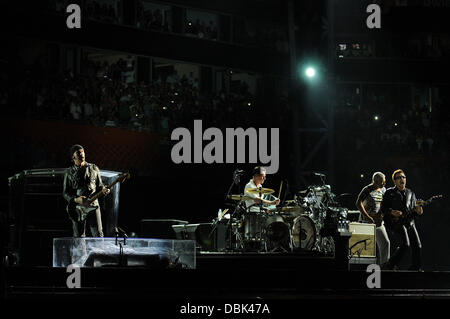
(383, 245)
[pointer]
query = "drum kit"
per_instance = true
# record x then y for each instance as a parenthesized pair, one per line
(305, 223)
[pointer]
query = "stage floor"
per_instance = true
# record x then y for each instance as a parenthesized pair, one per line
(228, 276)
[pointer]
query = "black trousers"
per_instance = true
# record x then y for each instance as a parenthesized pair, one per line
(91, 222)
(409, 238)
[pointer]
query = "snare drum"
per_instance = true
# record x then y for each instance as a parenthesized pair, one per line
(304, 233)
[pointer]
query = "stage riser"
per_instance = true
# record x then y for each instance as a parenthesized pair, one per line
(202, 281)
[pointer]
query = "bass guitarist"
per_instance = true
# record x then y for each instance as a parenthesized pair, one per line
(369, 203)
(82, 180)
(399, 207)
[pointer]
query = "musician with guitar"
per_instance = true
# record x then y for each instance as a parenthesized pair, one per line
(369, 203)
(400, 208)
(82, 187)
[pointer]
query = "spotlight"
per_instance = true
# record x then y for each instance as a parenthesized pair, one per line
(376, 118)
(362, 175)
(310, 72)
(395, 124)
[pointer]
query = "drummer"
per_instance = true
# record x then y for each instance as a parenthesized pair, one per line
(259, 176)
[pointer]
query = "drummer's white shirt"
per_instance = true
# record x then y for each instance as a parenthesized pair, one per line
(248, 203)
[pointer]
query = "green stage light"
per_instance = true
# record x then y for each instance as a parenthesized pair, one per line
(310, 72)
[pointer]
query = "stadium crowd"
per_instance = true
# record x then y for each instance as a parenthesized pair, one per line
(106, 94)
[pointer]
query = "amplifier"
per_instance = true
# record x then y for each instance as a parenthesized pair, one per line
(362, 243)
(207, 236)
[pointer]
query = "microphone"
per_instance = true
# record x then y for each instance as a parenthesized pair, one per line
(319, 174)
(121, 231)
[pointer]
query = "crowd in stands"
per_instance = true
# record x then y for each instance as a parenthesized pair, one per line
(102, 11)
(201, 29)
(354, 50)
(151, 19)
(253, 33)
(105, 94)
(156, 19)
(385, 127)
(426, 47)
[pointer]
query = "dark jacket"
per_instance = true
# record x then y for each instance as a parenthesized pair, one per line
(82, 181)
(394, 199)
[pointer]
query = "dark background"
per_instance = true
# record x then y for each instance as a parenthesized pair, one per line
(398, 73)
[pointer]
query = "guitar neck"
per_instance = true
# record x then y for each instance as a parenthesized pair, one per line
(100, 193)
(427, 202)
(430, 200)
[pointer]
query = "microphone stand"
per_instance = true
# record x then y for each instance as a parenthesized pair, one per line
(119, 231)
(236, 181)
(322, 178)
(261, 240)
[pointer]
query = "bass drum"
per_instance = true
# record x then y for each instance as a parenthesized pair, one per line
(278, 235)
(304, 233)
(276, 228)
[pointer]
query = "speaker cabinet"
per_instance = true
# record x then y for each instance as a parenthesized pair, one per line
(362, 243)
(208, 237)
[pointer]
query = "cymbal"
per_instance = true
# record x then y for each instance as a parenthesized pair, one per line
(291, 209)
(260, 191)
(321, 188)
(240, 197)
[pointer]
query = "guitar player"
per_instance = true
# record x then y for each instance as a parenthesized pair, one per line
(82, 180)
(399, 208)
(368, 203)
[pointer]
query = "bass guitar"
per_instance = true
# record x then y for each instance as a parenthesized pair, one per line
(408, 215)
(80, 212)
(377, 218)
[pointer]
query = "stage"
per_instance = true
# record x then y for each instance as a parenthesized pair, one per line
(226, 277)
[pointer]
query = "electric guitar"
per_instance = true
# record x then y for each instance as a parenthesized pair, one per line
(377, 218)
(80, 212)
(408, 215)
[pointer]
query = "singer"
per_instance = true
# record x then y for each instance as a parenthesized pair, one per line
(399, 201)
